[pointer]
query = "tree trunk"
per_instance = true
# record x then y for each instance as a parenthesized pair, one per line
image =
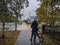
(16, 22)
(15, 26)
(3, 36)
(3, 27)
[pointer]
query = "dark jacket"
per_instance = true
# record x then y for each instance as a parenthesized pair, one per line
(34, 26)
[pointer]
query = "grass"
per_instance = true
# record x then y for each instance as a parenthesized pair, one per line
(10, 37)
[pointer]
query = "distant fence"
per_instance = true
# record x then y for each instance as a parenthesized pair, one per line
(47, 29)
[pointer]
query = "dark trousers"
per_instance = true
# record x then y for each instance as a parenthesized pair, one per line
(35, 33)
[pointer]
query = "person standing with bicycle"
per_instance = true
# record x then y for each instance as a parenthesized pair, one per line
(34, 27)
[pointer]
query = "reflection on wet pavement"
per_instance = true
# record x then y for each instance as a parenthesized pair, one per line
(35, 43)
(24, 38)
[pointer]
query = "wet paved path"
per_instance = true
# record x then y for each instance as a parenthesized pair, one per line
(24, 36)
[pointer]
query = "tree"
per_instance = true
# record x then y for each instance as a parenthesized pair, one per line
(53, 13)
(16, 6)
(4, 13)
(42, 11)
(49, 11)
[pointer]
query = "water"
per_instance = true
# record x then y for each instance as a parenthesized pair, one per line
(10, 25)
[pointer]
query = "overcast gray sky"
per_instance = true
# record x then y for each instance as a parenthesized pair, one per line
(33, 5)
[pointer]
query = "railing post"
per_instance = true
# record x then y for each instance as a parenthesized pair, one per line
(43, 29)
